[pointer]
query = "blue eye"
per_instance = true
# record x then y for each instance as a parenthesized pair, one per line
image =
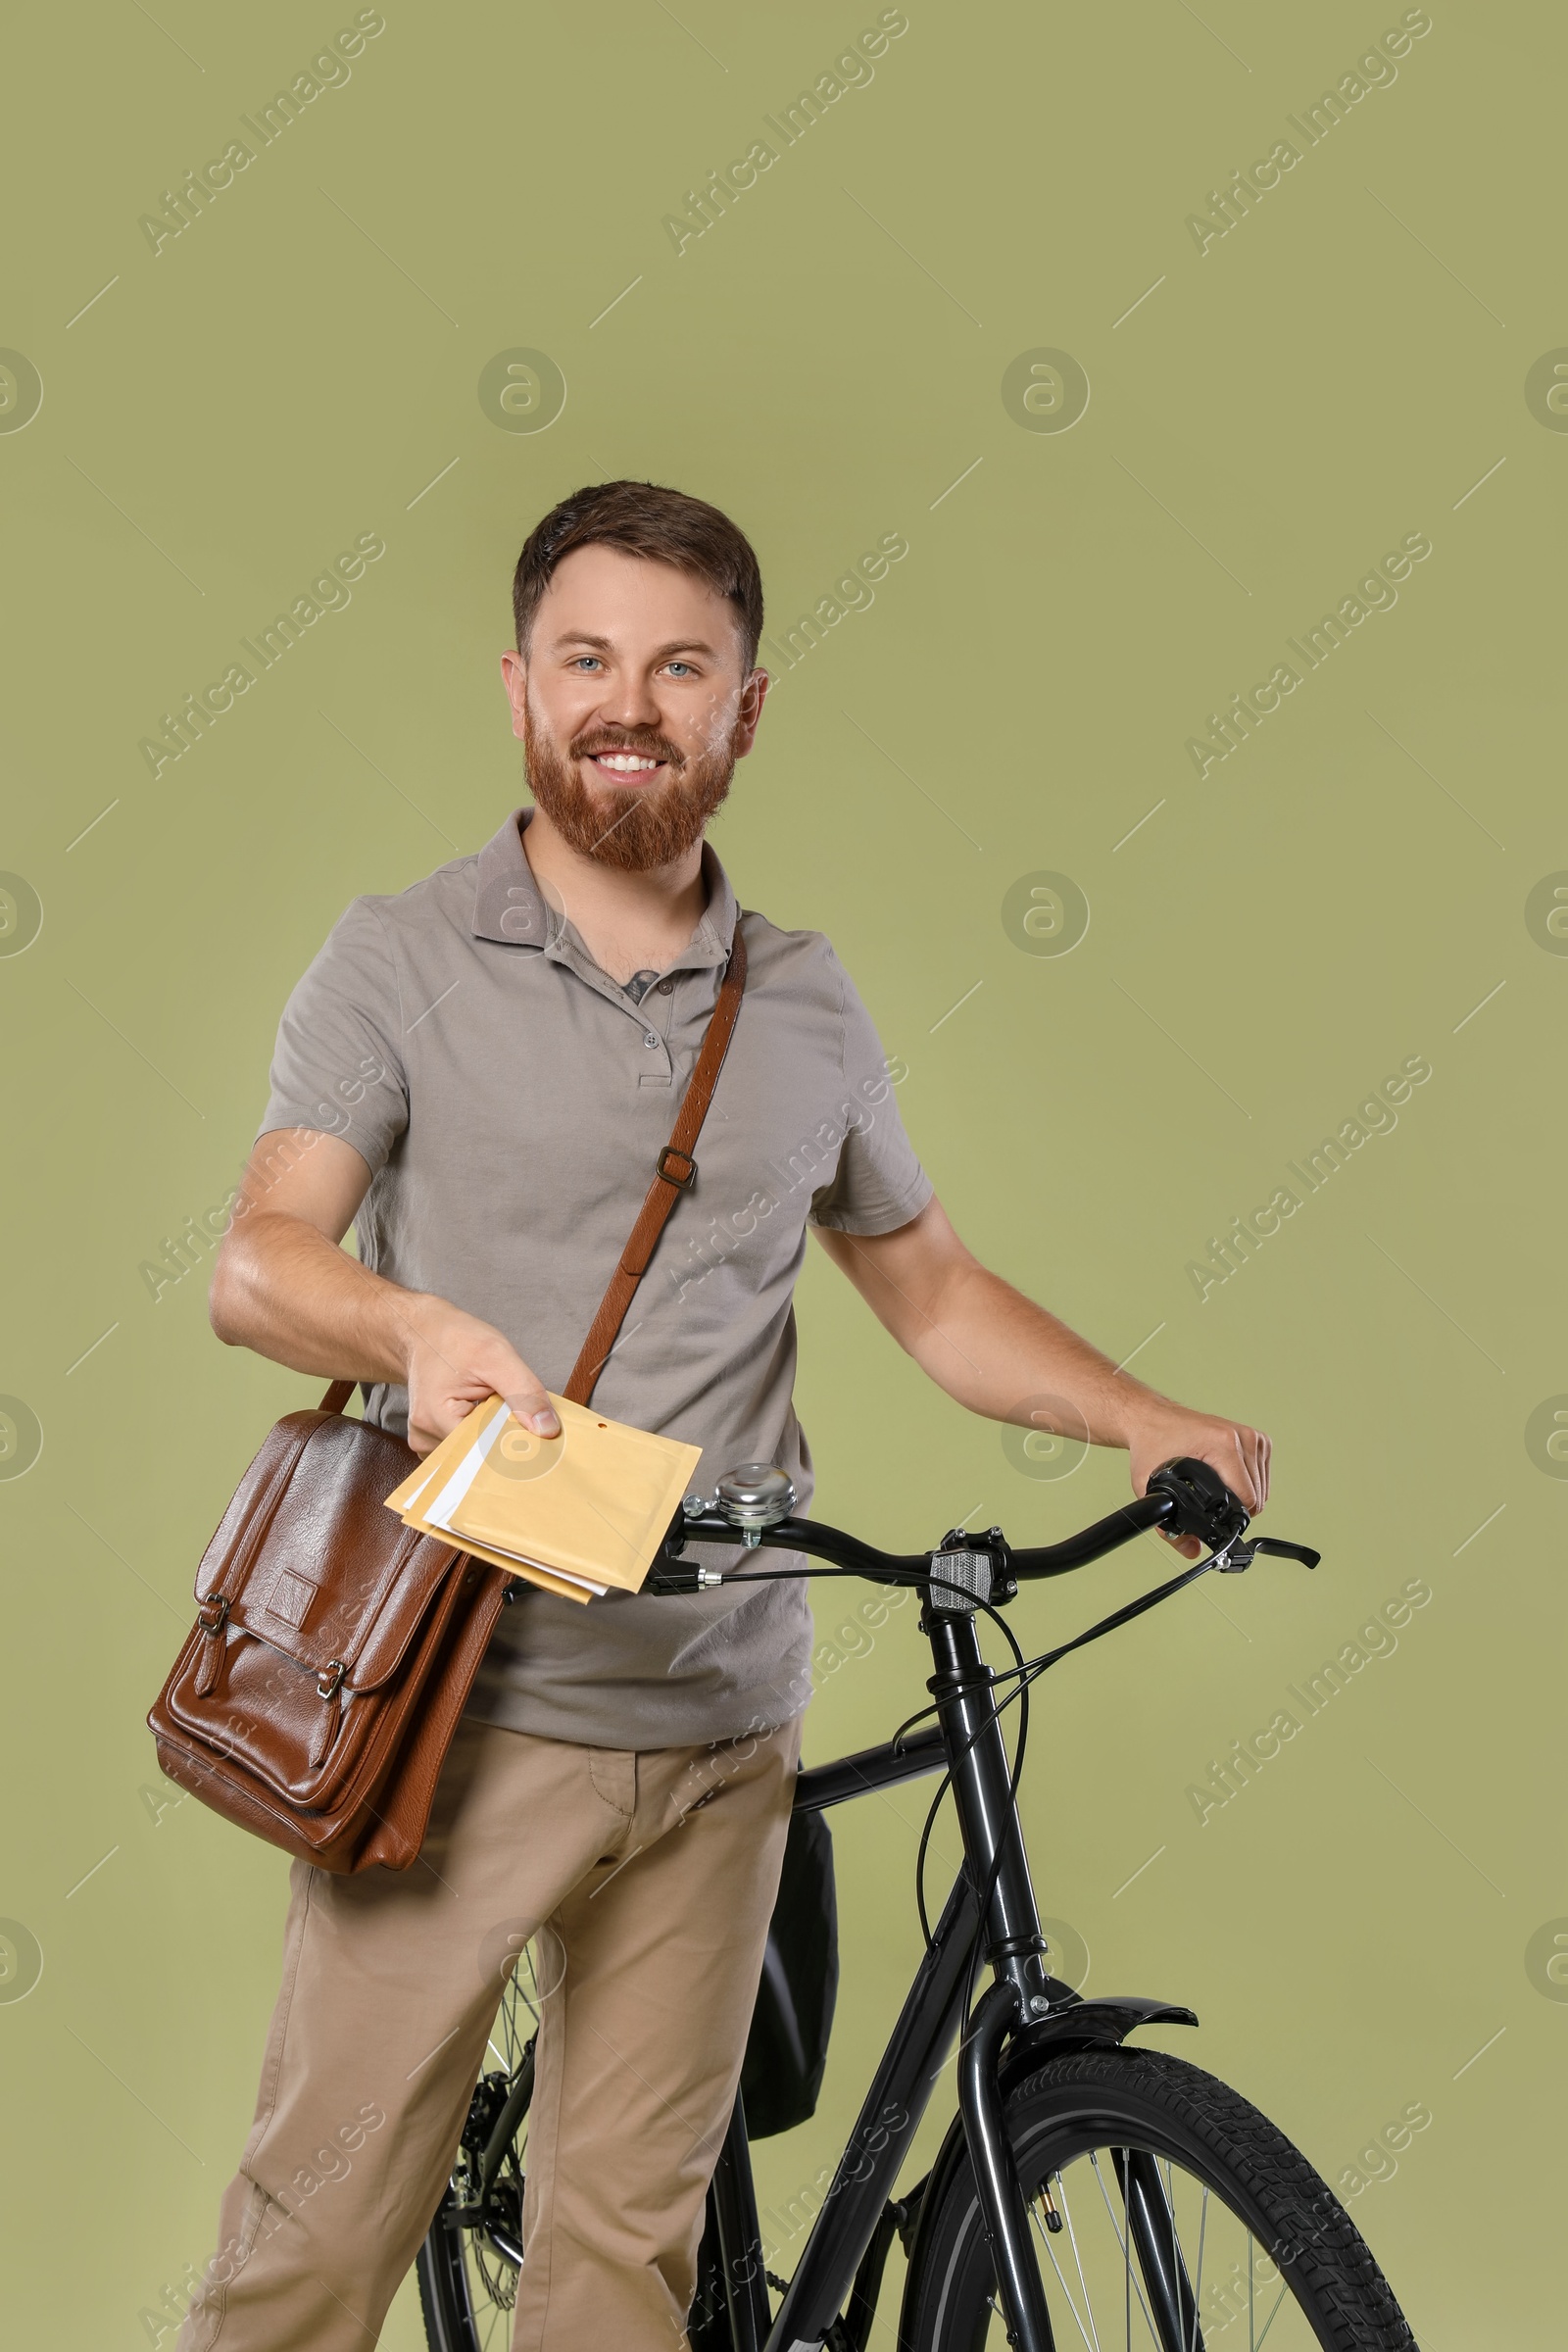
(586, 662)
(684, 667)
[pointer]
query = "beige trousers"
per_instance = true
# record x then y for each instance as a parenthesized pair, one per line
(653, 1876)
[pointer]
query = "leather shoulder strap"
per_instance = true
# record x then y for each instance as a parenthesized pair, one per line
(338, 1396)
(674, 1174)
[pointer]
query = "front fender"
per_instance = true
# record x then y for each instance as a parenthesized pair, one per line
(1075, 2025)
(1084, 2026)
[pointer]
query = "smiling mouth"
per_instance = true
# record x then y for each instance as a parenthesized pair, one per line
(625, 767)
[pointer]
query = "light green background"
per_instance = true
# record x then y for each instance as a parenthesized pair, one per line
(825, 362)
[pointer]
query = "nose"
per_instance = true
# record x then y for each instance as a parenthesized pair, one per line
(631, 701)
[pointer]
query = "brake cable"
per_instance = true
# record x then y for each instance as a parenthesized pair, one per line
(1023, 1674)
(1229, 1558)
(1009, 1674)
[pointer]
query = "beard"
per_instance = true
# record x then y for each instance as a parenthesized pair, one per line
(633, 828)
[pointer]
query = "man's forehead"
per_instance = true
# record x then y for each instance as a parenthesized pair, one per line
(602, 596)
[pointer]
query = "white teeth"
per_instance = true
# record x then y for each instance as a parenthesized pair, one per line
(628, 761)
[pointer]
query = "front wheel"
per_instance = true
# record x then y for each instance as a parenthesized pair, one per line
(470, 2263)
(1166, 2212)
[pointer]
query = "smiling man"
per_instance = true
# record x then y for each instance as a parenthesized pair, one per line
(479, 1075)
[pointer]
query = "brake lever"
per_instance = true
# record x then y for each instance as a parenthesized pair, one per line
(1277, 1549)
(1240, 1555)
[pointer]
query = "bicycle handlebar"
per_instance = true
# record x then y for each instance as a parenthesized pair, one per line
(1185, 1497)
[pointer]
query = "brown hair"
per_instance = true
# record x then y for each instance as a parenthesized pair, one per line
(644, 518)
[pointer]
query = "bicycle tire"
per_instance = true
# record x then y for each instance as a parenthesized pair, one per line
(1075, 2108)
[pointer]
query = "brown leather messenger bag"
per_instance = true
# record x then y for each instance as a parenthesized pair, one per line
(335, 1649)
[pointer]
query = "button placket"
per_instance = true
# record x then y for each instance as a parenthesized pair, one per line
(658, 1068)
(654, 1016)
(651, 1017)
(655, 1013)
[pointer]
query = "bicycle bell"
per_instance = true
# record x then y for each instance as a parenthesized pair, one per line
(755, 1495)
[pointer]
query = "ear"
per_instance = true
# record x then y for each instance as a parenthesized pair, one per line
(753, 695)
(514, 678)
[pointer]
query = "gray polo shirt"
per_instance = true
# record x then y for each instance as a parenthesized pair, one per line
(509, 1100)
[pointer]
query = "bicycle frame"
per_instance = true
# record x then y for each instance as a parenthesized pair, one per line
(1023, 2012)
(990, 1919)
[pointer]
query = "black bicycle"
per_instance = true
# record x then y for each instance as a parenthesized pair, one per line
(1087, 2192)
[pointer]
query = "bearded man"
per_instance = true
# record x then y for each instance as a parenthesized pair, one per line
(479, 1075)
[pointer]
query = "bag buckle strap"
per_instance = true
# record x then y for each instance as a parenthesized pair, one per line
(330, 1679)
(212, 1615)
(682, 1183)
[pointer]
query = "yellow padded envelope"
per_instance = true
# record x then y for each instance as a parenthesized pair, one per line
(580, 1513)
(452, 1448)
(428, 1479)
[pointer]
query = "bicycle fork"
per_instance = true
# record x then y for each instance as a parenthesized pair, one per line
(1014, 1949)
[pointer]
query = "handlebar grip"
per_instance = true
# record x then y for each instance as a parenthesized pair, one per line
(1203, 1503)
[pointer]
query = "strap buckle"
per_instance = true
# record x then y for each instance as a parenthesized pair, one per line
(682, 1184)
(212, 1615)
(330, 1679)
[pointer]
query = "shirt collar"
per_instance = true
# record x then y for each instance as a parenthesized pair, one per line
(509, 907)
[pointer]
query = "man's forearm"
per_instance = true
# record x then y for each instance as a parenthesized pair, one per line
(998, 1353)
(286, 1291)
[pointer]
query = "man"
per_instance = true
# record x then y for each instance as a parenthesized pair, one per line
(480, 1073)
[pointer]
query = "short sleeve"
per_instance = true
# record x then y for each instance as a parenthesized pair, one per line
(337, 1066)
(879, 1184)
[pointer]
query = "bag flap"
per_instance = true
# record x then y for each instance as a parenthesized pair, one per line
(224, 1561)
(310, 1562)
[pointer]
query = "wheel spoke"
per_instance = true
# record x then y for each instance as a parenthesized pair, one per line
(1238, 2255)
(1093, 2344)
(1274, 2314)
(1127, 2285)
(1198, 2284)
(1072, 2241)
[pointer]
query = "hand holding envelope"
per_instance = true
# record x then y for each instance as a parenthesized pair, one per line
(579, 1514)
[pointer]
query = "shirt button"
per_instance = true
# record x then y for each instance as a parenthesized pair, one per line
(667, 988)
(649, 1039)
